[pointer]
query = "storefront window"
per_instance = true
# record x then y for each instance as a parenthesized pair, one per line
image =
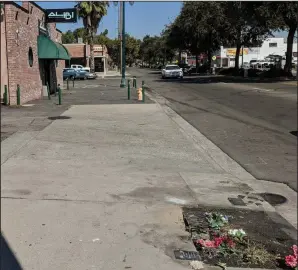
(30, 57)
(272, 45)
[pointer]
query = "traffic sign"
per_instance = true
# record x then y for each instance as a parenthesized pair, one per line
(213, 57)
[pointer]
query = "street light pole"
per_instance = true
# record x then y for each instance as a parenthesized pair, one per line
(120, 36)
(122, 84)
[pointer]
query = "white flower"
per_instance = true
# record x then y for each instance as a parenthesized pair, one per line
(232, 232)
(242, 232)
(237, 232)
(224, 219)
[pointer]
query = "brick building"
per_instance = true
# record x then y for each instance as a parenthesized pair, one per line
(80, 55)
(32, 55)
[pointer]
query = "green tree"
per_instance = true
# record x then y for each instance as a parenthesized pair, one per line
(201, 23)
(91, 13)
(113, 47)
(132, 49)
(68, 37)
(244, 26)
(81, 33)
(174, 37)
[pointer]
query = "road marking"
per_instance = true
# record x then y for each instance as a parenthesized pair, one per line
(263, 161)
(261, 89)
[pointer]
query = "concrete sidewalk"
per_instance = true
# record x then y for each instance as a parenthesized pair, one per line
(103, 188)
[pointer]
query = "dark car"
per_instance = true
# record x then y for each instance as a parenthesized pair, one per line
(190, 70)
(69, 74)
(184, 67)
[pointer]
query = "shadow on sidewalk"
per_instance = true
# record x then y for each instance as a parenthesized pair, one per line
(8, 259)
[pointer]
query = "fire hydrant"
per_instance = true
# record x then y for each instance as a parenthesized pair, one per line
(140, 94)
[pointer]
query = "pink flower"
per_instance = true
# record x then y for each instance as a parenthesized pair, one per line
(295, 250)
(291, 261)
(206, 243)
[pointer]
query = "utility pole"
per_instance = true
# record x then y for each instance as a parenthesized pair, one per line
(123, 64)
(120, 35)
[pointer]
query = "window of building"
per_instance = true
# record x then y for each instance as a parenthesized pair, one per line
(272, 44)
(17, 14)
(27, 20)
(30, 57)
(31, 10)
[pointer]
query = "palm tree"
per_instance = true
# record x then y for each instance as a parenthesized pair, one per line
(91, 13)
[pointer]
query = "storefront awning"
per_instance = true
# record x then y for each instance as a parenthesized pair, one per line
(48, 49)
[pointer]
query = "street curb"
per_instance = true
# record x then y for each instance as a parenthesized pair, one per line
(215, 155)
(257, 79)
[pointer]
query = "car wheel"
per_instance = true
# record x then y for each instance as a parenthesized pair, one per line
(85, 78)
(71, 78)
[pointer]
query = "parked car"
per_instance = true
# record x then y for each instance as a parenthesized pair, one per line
(184, 67)
(80, 67)
(172, 71)
(189, 70)
(69, 74)
(82, 74)
(91, 76)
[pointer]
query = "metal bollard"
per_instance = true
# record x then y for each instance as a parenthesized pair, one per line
(48, 90)
(5, 96)
(67, 84)
(128, 89)
(135, 82)
(59, 95)
(73, 83)
(18, 95)
(143, 91)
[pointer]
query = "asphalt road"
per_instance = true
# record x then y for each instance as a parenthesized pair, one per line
(250, 121)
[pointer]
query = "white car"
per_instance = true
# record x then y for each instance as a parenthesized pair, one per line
(172, 71)
(80, 67)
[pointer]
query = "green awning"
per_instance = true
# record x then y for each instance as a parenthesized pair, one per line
(48, 49)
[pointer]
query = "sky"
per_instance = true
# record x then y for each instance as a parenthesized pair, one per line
(142, 18)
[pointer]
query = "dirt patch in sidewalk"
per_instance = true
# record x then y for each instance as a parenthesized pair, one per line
(267, 239)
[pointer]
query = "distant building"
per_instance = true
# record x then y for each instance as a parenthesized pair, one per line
(271, 46)
(32, 55)
(80, 55)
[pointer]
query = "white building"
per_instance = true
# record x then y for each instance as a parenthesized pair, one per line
(275, 46)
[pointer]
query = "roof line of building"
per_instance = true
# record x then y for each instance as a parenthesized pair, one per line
(17, 6)
(24, 9)
(33, 3)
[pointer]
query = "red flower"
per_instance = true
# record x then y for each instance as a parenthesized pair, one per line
(291, 261)
(231, 243)
(218, 241)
